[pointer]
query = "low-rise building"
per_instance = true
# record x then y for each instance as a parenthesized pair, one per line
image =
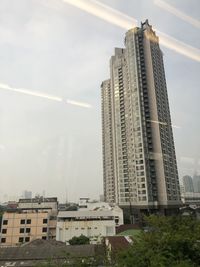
(49, 203)
(33, 219)
(23, 226)
(50, 253)
(94, 220)
(190, 198)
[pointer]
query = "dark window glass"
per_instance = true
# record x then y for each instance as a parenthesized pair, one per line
(44, 229)
(28, 221)
(28, 230)
(44, 237)
(44, 220)
(3, 240)
(21, 239)
(21, 230)
(22, 222)
(4, 231)
(27, 239)
(5, 222)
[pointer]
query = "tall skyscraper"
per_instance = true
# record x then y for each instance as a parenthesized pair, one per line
(27, 194)
(196, 183)
(139, 161)
(188, 183)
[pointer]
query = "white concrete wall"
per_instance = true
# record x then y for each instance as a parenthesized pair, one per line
(67, 229)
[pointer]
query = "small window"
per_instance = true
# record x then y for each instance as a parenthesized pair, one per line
(76, 228)
(4, 231)
(5, 222)
(28, 221)
(82, 228)
(44, 237)
(3, 240)
(28, 230)
(21, 239)
(22, 230)
(44, 220)
(27, 239)
(44, 229)
(22, 221)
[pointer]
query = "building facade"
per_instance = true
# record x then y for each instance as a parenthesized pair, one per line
(33, 219)
(94, 220)
(139, 160)
(27, 194)
(196, 183)
(20, 227)
(188, 183)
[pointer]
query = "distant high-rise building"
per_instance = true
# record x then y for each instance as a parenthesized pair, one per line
(196, 183)
(27, 194)
(139, 161)
(188, 183)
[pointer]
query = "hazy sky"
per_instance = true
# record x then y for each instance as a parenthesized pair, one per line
(51, 47)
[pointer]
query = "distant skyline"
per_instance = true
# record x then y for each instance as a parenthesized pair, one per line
(53, 48)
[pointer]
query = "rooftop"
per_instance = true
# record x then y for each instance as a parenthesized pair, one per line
(40, 250)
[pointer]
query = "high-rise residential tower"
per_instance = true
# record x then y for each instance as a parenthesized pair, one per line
(139, 161)
(196, 183)
(188, 183)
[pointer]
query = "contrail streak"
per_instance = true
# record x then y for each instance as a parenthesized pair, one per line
(177, 13)
(104, 12)
(29, 92)
(43, 95)
(178, 46)
(118, 18)
(77, 103)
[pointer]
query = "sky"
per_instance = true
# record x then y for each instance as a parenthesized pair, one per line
(53, 48)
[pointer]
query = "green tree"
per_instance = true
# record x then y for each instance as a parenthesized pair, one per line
(170, 242)
(79, 240)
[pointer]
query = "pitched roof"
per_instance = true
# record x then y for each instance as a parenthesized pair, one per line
(44, 249)
(119, 242)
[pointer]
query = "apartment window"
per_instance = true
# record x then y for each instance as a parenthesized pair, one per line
(27, 239)
(28, 230)
(44, 220)
(23, 222)
(44, 229)
(5, 222)
(4, 231)
(44, 237)
(28, 221)
(21, 239)
(22, 230)
(3, 240)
